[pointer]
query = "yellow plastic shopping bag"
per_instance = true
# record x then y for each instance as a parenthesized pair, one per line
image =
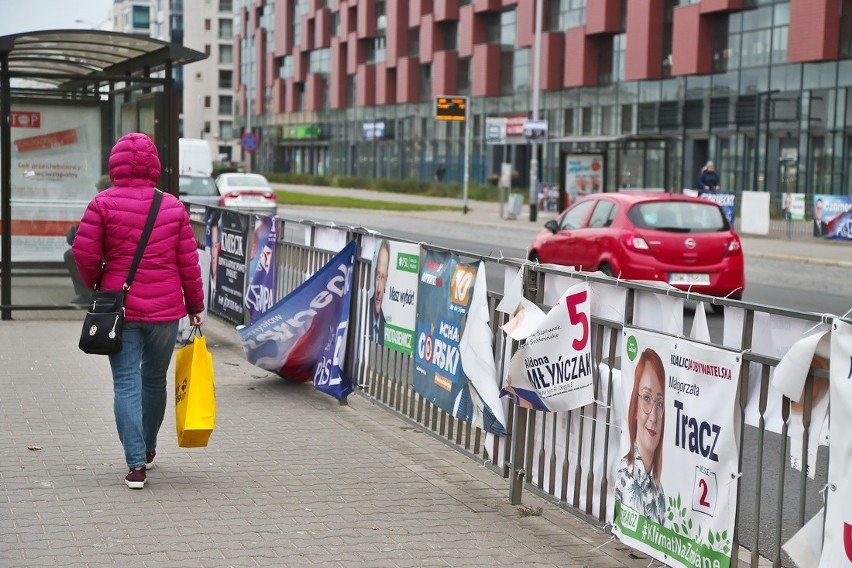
(195, 396)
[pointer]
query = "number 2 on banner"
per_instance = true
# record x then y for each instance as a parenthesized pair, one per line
(577, 317)
(705, 491)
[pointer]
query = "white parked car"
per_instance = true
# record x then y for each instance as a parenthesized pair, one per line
(247, 192)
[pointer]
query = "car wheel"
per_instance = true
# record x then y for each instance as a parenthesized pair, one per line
(606, 269)
(535, 258)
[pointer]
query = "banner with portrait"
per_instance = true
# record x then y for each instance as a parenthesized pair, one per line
(226, 236)
(832, 216)
(553, 368)
(260, 293)
(726, 200)
(392, 305)
(303, 336)
(453, 357)
(675, 487)
(583, 174)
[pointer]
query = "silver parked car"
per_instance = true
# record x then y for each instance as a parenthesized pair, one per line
(246, 192)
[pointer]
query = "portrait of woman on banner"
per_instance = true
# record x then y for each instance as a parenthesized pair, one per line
(638, 482)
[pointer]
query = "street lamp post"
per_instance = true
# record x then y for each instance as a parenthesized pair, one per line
(535, 103)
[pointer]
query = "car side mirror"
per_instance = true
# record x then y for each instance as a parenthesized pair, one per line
(552, 225)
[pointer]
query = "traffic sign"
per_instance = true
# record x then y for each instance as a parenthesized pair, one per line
(249, 142)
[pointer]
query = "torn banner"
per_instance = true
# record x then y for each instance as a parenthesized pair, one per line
(303, 336)
(553, 370)
(453, 363)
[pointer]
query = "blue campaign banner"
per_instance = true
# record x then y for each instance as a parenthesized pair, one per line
(303, 336)
(260, 293)
(727, 201)
(832, 216)
(444, 295)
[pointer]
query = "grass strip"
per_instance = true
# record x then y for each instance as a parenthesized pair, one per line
(314, 200)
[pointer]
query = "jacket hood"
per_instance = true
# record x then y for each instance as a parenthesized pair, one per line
(134, 161)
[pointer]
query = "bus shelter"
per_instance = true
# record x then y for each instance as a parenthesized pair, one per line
(590, 164)
(65, 97)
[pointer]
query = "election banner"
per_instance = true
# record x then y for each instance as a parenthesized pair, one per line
(794, 340)
(837, 546)
(832, 216)
(446, 351)
(393, 295)
(675, 488)
(553, 368)
(303, 336)
(227, 237)
(260, 293)
(727, 201)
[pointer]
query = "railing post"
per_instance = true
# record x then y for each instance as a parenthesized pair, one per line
(516, 474)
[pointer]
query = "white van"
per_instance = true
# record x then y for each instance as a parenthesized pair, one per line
(194, 157)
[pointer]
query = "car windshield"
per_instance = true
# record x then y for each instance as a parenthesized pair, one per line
(246, 181)
(197, 186)
(678, 216)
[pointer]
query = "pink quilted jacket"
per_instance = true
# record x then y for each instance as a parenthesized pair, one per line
(167, 285)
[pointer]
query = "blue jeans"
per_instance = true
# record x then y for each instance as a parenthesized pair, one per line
(139, 385)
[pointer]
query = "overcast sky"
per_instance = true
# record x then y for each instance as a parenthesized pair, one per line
(29, 15)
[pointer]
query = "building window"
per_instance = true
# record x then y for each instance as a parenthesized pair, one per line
(508, 28)
(226, 104)
(140, 17)
(463, 76)
(425, 82)
(376, 51)
(207, 102)
(846, 29)
(626, 119)
(226, 55)
(568, 119)
(286, 69)
(414, 42)
(226, 130)
(207, 25)
(507, 67)
(226, 79)
(207, 49)
(521, 79)
(226, 29)
(206, 127)
(226, 5)
(319, 61)
(451, 36)
(334, 24)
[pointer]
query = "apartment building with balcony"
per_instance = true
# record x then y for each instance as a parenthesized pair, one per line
(655, 87)
(207, 100)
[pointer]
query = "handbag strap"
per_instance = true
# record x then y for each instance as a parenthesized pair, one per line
(143, 240)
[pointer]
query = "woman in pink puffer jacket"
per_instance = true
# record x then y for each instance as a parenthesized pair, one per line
(167, 287)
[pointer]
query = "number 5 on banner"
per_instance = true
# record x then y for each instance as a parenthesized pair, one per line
(576, 317)
(705, 491)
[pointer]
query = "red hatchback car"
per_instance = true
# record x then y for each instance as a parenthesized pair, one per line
(685, 241)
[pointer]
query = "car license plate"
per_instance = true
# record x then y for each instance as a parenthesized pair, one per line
(685, 278)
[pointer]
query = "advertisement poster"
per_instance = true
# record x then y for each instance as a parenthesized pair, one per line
(675, 489)
(56, 162)
(832, 216)
(583, 175)
(727, 201)
(553, 368)
(449, 360)
(393, 295)
(227, 235)
(260, 293)
(303, 336)
(837, 546)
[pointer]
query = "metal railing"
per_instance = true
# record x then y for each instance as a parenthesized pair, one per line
(774, 500)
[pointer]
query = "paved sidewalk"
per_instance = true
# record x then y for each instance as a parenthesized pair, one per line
(290, 478)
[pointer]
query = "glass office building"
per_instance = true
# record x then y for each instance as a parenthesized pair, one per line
(654, 87)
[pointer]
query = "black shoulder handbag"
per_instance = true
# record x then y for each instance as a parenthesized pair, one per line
(104, 321)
